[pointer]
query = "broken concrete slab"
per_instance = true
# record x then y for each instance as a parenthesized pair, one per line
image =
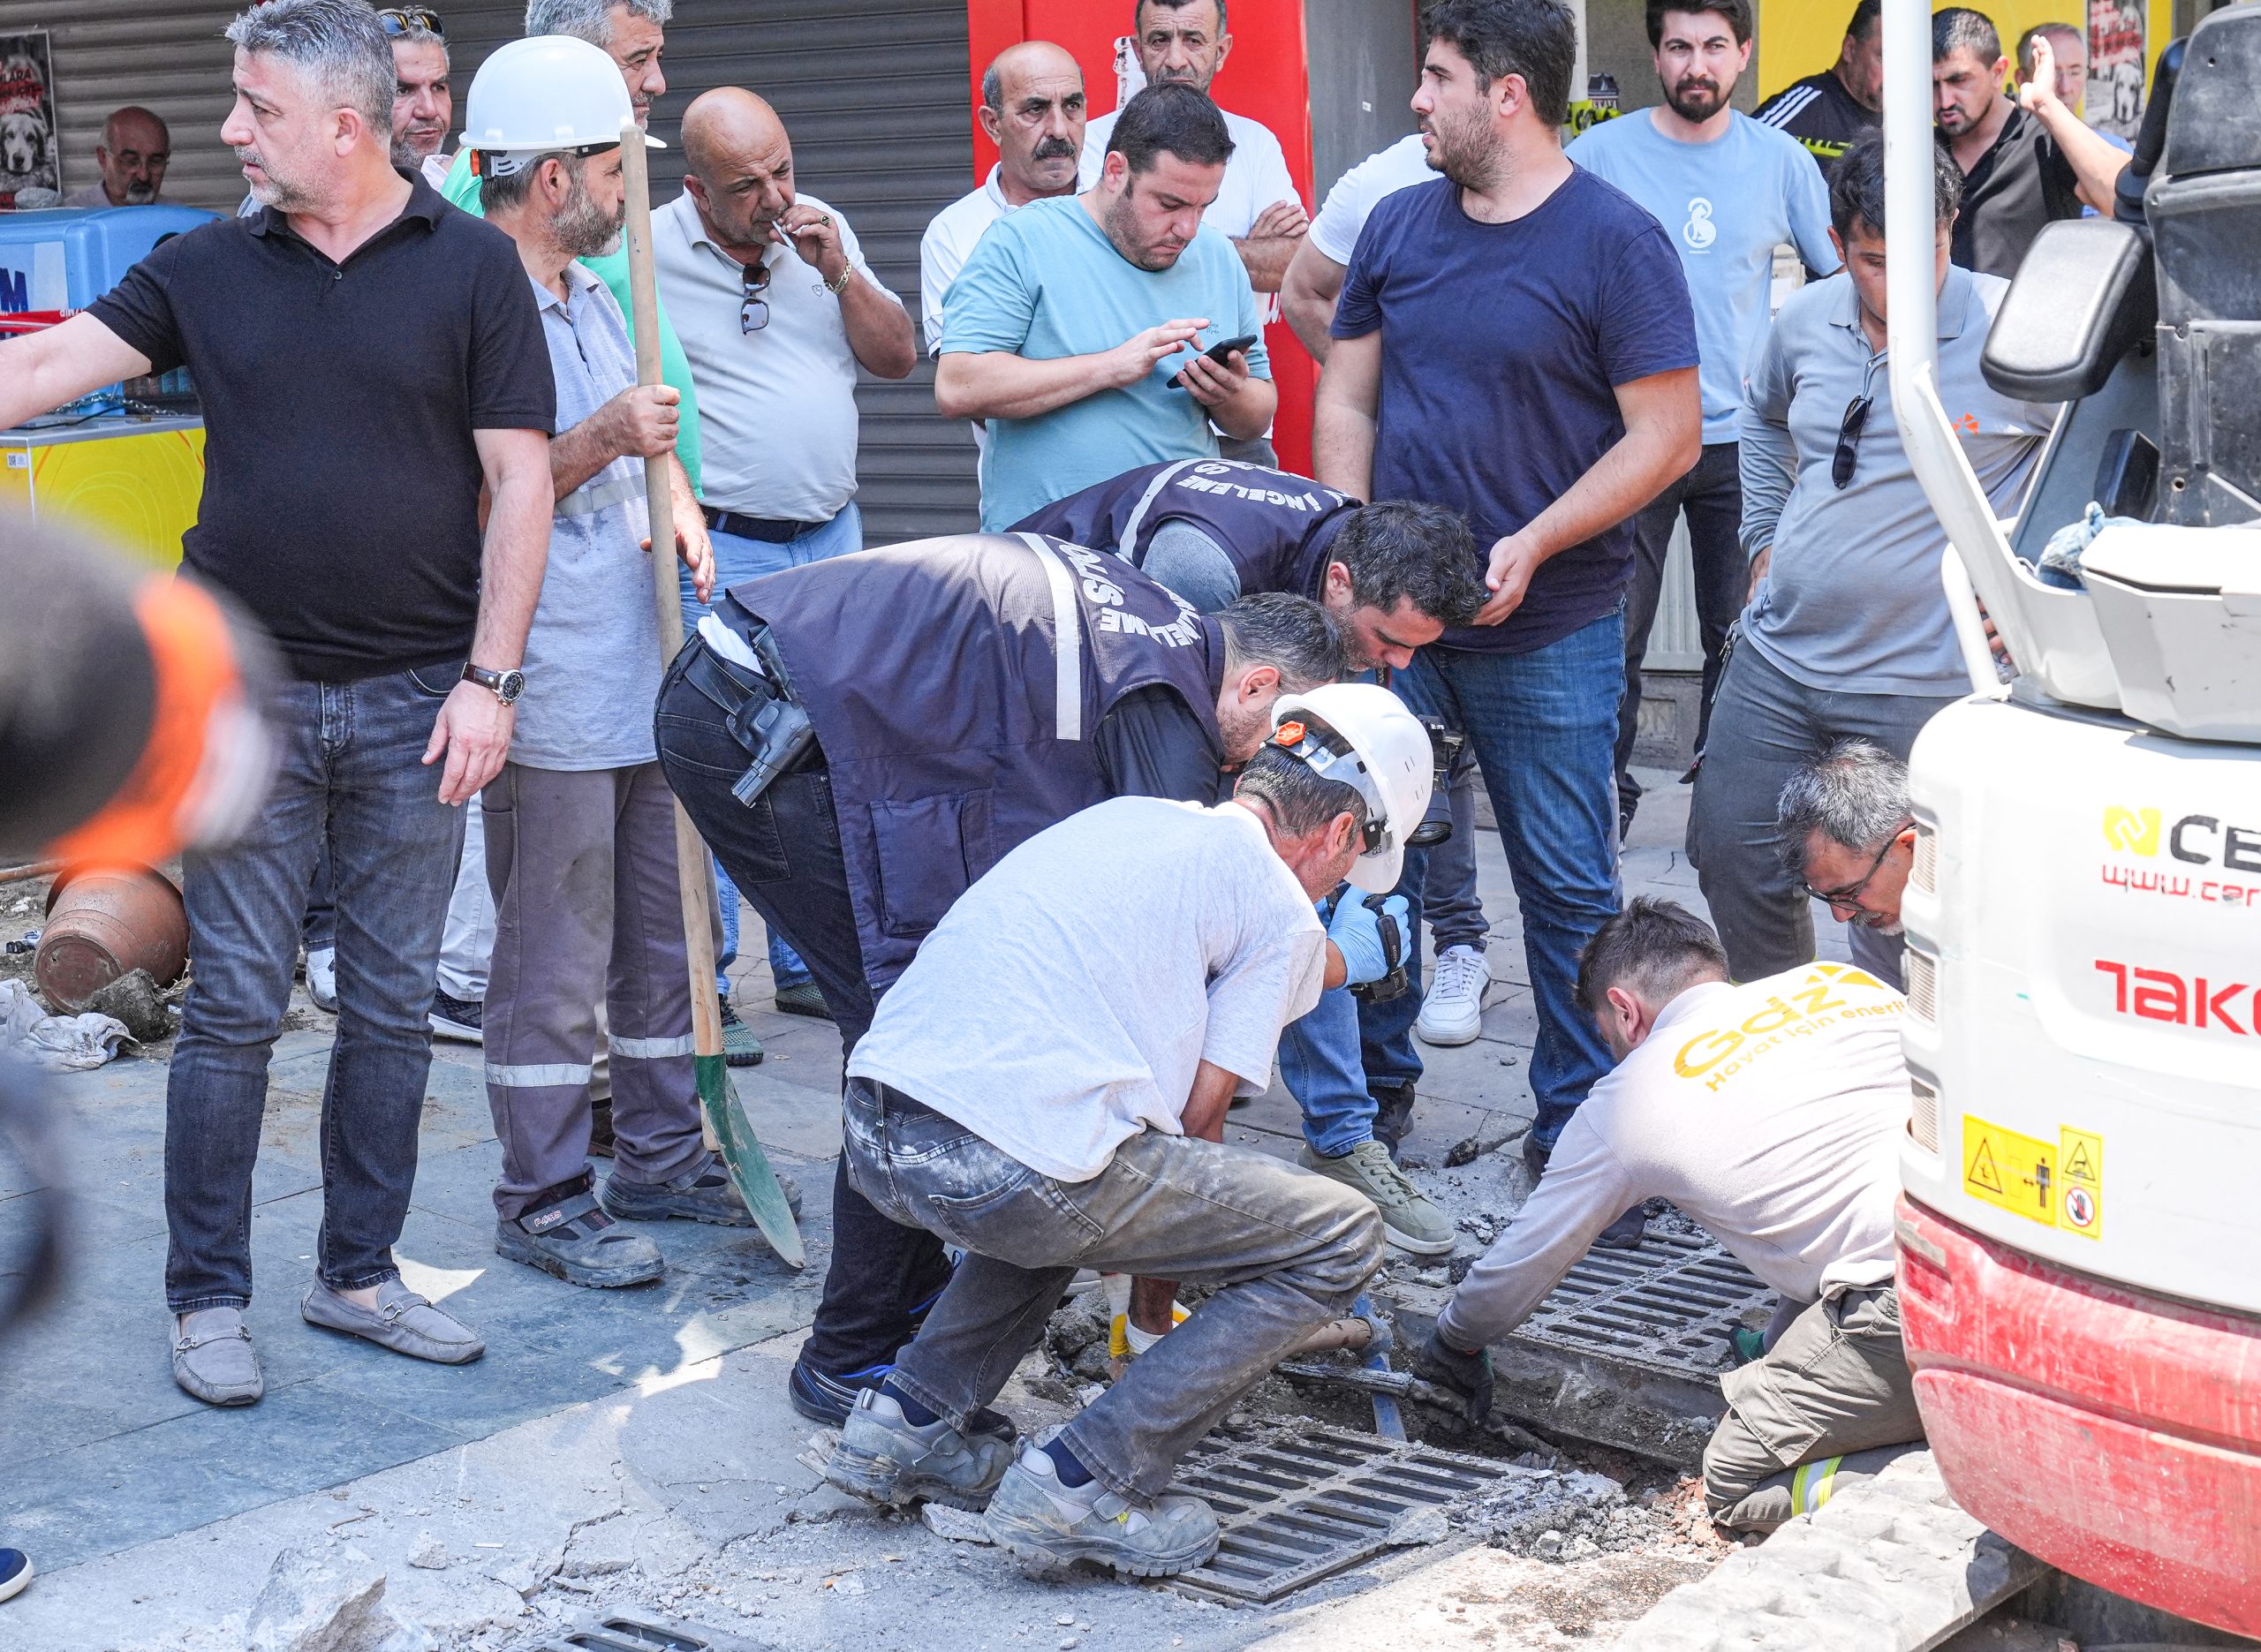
(328, 1597)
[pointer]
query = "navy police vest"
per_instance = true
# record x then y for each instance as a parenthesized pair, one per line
(956, 685)
(1275, 526)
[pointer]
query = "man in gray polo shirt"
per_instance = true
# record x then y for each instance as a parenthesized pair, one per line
(1847, 631)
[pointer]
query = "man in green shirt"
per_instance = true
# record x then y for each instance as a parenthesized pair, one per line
(630, 32)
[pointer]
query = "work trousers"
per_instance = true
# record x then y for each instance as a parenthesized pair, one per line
(1710, 497)
(1835, 1382)
(351, 778)
(583, 867)
(1285, 1250)
(784, 853)
(1769, 725)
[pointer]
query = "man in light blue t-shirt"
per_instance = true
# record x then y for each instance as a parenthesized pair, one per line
(1728, 191)
(1077, 328)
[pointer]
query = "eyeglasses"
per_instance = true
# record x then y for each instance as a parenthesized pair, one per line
(753, 314)
(1850, 894)
(401, 20)
(1849, 439)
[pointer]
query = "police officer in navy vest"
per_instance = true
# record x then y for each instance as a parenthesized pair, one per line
(1394, 576)
(859, 739)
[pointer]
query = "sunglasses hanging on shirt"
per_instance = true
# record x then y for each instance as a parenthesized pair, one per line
(753, 314)
(1848, 440)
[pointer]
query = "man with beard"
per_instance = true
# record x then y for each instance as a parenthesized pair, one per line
(1849, 836)
(369, 361)
(1515, 342)
(776, 309)
(1831, 111)
(1728, 190)
(580, 826)
(135, 149)
(1078, 329)
(422, 106)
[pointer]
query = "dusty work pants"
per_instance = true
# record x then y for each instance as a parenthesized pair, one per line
(1836, 1383)
(1285, 1248)
(585, 907)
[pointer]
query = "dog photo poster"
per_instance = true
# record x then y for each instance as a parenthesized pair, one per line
(31, 169)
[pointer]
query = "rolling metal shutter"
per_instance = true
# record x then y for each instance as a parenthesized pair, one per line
(167, 56)
(876, 96)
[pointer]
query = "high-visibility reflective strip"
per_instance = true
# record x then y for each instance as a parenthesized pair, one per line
(650, 1049)
(587, 499)
(1128, 537)
(1812, 1483)
(539, 1077)
(1067, 644)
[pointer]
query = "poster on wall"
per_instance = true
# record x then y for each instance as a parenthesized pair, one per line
(31, 158)
(2115, 98)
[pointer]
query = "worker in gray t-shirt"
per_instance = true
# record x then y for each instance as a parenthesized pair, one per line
(1845, 632)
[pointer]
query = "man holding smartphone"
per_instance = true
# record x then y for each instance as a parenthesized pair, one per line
(1078, 329)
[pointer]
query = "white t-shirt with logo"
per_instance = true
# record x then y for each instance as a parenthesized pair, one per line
(1771, 1113)
(1066, 1001)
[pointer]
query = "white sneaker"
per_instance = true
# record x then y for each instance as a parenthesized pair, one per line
(1453, 1012)
(322, 977)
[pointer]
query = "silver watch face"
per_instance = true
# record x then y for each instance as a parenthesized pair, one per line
(509, 686)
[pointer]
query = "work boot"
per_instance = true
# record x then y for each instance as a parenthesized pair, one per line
(1536, 1153)
(1048, 1523)
(213, 1358)
(701, 1194)
(1452, 1013)
(1626, 1232)
(402, 1321)
(1409, 1220)
(884, 1457)
(1392, 1114)
(573, 1237)
(823, 1398)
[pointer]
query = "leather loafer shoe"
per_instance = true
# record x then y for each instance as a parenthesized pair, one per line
(213, 1358)
(402, 1321)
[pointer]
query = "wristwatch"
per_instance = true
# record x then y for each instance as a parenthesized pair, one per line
(508, 685)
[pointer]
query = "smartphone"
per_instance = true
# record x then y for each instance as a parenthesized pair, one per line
(1217, 353)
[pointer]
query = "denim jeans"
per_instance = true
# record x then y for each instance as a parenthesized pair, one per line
(1770, 724)
(737, 561)
(784, 854)
(321, 929)
(1286, 1250)
(350, 777)
(1543, 727)
(1320, 1064)
(1455, 910)
(1711, 496)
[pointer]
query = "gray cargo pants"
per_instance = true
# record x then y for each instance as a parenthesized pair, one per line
(1286, 1249)
(586, 908)
(1834, 1385)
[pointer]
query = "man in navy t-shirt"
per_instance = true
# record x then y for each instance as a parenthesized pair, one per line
(1515, 341)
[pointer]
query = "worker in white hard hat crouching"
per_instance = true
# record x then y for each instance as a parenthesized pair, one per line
(1771, 1113)
(580, 825)
(1046, 1085)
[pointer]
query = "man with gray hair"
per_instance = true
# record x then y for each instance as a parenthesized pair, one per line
(370, 361)
(1849, 838)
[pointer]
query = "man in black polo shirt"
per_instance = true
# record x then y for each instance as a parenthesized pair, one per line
(2022, 167)
(367, 358)
(1831, 112)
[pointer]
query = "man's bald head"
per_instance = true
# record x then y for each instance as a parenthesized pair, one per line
(135, 149)
(1033, 108)
(737, 165)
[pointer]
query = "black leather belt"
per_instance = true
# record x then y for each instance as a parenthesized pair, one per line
(770, 726)
(770, 530)
(738, 693)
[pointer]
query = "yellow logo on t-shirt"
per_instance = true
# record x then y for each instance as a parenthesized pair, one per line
(1816, 1002)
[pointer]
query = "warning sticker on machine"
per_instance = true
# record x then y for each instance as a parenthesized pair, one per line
(2058, 1184)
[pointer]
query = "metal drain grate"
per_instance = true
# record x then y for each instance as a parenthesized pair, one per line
(1300, 1504)
(1665, 1307)
(632, 1631)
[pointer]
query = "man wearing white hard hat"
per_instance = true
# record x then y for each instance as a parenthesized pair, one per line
(1046, 1085)
(581, 825)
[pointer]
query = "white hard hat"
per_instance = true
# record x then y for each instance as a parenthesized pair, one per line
(1363, 736)
(541, 94)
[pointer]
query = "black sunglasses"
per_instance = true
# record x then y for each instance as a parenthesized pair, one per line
(1850, 893)
(1849, 439)
(399, 20)
(753, 314)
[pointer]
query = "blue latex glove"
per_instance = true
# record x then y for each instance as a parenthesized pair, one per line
(1355, 931)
